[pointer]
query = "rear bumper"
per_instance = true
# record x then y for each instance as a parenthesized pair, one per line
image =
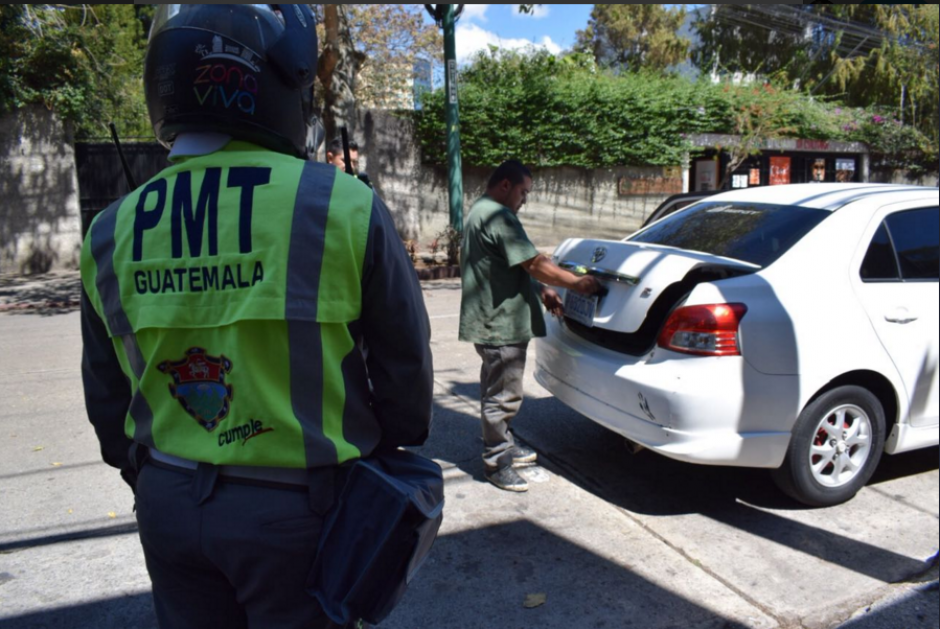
(715, 411)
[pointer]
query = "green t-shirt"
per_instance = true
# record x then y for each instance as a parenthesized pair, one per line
(500, 302)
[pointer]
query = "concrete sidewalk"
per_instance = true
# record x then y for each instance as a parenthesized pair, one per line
(602, 539)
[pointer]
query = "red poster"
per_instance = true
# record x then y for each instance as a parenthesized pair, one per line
(779, 171)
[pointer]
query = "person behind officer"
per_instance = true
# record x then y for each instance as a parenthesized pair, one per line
(500, 311)
(223, 305)
(335, 155)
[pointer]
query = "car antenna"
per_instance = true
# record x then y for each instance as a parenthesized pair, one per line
(349, 170)
(127, 169)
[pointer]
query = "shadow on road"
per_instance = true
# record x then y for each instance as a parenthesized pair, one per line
(46, 295)
(917, 609)
(456, 589)
(480, 578)
(598, 461)
(134, 610)
(126, 528)
(906, 464)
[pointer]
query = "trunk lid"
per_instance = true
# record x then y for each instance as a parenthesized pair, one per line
(644, 283)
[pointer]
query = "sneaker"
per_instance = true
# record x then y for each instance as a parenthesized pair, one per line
(508, 479)
(523, 456)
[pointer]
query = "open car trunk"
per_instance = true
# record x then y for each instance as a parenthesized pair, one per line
(644, 285)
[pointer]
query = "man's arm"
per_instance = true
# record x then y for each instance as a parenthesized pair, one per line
(545, 271)
(107, 392)
(397, 334)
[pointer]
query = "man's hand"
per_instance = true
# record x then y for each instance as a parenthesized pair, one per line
(552, 302)
(587, 285)
(547, 272)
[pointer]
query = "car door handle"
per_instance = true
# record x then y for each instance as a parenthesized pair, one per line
(900, 315)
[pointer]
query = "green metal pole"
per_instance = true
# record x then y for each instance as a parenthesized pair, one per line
(454, 166)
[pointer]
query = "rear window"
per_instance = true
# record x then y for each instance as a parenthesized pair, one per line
(758, 233)
(916, 236)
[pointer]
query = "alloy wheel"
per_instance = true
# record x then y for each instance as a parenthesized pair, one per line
(841, 446)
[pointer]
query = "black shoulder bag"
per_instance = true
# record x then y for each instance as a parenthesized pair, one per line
(377, 535)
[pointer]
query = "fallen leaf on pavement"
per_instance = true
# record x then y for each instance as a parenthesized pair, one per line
(38, 448)
(56, 464)
(534, 600)
(112, 514)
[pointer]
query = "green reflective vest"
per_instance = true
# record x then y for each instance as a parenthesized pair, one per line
(227, 283)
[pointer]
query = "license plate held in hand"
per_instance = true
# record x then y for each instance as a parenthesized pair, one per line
(580, 308)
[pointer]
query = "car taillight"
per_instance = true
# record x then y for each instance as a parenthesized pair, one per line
(710, 330)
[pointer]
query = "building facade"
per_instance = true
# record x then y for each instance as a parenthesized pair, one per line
(779, 162)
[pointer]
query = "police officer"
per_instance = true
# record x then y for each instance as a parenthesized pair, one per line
(224, 303)
(336, 156)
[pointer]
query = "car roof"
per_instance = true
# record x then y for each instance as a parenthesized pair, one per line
(826, 196)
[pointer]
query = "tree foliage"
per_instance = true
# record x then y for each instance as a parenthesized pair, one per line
(741, 39)
(368, 56)
(391, 38)
(634, 37)
(549, 111)
(761, 116)
(83, 61)
(869, 55)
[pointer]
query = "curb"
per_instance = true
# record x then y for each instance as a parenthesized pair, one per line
(437, 273)
(47, 305)
(424, 274)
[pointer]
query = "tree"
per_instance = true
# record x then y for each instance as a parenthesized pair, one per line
(83, 61)
(391, 38)
(338, 66)
(86, 61)
(749, 39)
(119, 46)
(634, 37)
(870, 55)
(761, 114)
(368, 55)
(901, 71)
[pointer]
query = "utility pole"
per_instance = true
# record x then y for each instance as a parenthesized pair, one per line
(446, 15)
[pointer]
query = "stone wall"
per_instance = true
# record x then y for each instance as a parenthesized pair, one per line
(902, 177)
(40, 226)
(565, 202)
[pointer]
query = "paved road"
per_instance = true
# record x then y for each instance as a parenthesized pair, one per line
(606, 538)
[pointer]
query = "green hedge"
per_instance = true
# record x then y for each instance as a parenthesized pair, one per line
(549, 111)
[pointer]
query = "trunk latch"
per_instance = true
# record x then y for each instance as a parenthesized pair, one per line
(599, 273)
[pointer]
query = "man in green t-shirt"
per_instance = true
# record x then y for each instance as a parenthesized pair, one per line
(500, 311)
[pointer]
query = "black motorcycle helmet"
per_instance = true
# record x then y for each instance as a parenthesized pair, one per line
(246, 70)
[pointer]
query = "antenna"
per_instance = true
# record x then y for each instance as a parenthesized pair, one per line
(127, 169)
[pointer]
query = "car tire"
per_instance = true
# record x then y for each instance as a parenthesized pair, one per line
(827, 464)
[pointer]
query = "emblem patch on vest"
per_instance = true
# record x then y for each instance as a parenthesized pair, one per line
(199, 385)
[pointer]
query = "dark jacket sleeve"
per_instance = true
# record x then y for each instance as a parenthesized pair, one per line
(397, 334)
(107, 391)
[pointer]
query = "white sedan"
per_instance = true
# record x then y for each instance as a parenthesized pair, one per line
(793, 328)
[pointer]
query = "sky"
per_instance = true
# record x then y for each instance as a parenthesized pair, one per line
(551, 26)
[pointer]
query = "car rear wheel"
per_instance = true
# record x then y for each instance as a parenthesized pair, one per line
(836, 445)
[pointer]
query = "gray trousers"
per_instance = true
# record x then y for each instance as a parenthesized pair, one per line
(228, 554)
(500, 399)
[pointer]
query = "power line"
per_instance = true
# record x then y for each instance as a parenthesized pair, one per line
(849, 40)
(802, 24)
(798, 30)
